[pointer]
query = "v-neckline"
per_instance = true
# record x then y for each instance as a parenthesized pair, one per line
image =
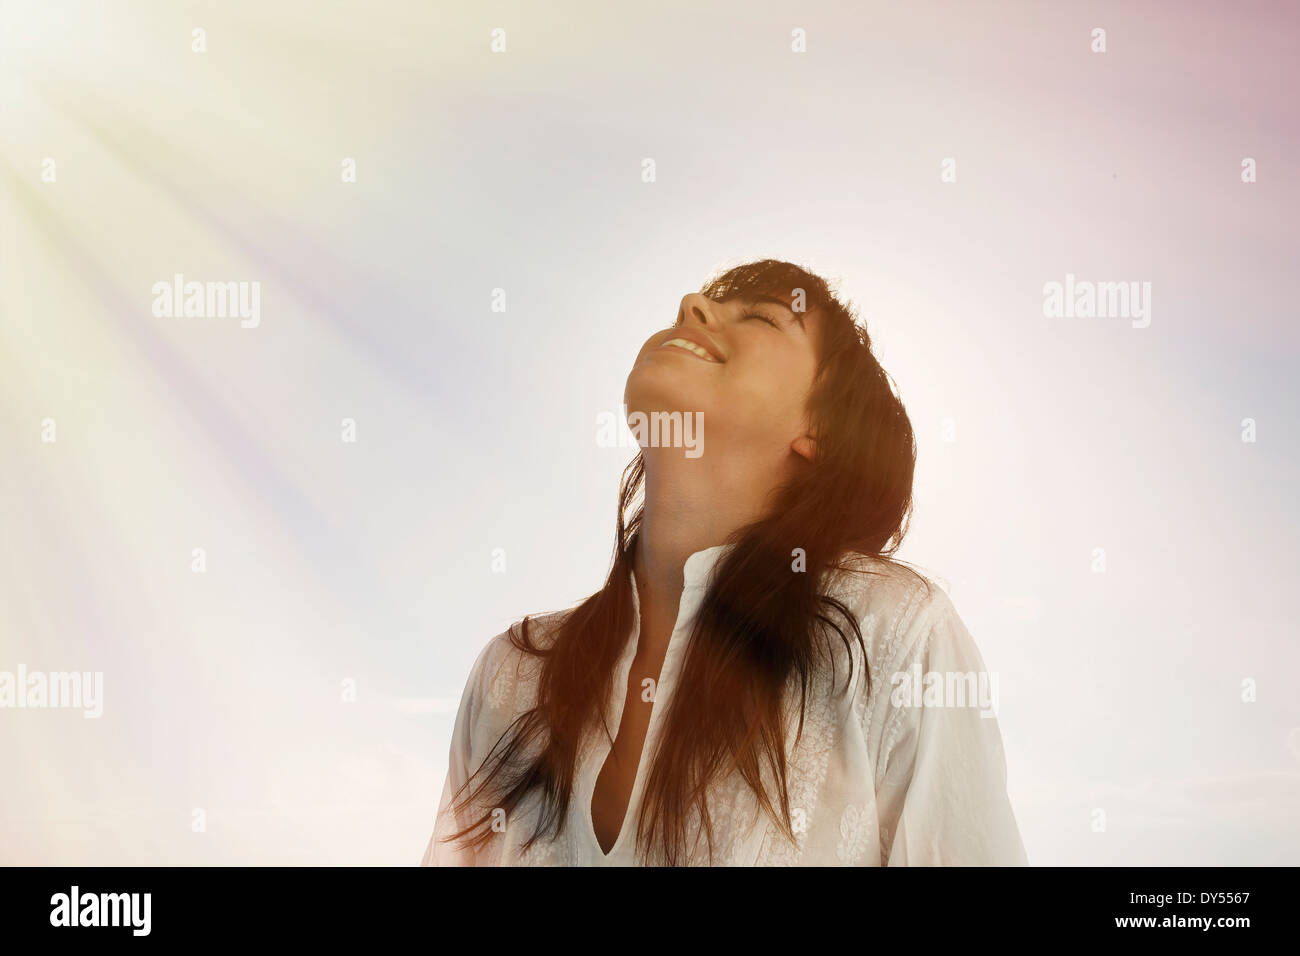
(695, 573)
(605, 748)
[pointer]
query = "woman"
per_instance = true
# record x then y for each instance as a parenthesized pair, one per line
(755, 643)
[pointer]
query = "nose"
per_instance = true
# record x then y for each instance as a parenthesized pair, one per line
(697, 308)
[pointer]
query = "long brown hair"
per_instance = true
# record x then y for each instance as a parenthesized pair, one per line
(759, 628)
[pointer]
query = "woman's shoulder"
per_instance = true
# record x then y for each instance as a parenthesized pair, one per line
(891, 600)
(532, 630)
(505, 673)
(883, 586)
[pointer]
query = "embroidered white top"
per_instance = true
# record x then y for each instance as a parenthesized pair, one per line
(878, 778)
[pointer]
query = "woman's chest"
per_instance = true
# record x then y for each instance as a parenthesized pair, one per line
(829, 808)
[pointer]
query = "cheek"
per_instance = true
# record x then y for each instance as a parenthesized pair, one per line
(770, 393)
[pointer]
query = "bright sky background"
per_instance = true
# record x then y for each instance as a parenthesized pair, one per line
(371, 561)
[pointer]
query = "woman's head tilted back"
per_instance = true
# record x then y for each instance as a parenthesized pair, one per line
(789, 390)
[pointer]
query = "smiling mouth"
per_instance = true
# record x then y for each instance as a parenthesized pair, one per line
(691, 347)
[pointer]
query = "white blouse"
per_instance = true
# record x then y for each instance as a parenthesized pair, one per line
(875, 780)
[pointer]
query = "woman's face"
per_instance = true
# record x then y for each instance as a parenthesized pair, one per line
(746, 364)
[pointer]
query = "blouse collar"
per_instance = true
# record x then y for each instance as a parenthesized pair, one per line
(699, 566)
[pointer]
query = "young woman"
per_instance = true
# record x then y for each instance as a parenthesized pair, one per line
(740, 691)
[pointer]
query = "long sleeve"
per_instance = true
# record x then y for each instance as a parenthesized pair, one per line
(460, 764)
(942, 797)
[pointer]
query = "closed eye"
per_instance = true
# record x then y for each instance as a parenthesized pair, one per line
(759, 315)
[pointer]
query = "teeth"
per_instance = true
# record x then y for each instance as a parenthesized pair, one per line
(691, 347)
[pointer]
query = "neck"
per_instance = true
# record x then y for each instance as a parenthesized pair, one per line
(689, 506)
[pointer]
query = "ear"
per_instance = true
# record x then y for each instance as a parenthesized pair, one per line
(805, 446)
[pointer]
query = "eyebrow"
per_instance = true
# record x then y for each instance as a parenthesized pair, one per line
(754, 297)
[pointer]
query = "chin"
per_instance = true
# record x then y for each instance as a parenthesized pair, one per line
(661, 386)
(649, 400)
